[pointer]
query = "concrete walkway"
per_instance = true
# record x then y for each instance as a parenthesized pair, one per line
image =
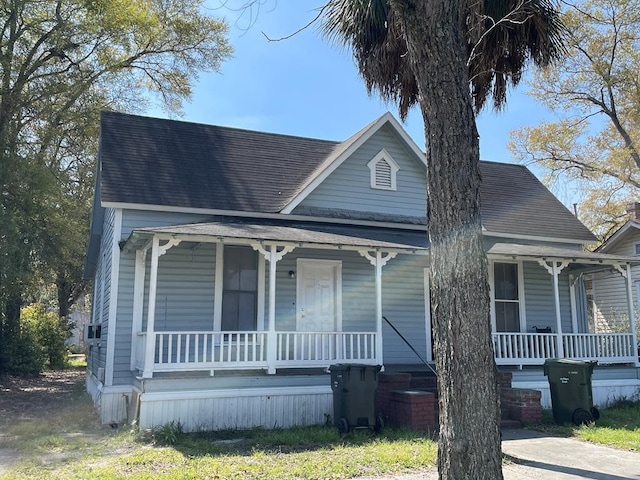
(536, 456)
(544, 457)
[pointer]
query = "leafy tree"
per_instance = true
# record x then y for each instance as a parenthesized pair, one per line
(61, 62)
(595, 92)
(449, 57)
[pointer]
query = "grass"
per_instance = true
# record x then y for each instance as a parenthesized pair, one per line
(71, 445)
(77, 360)
(618, 426)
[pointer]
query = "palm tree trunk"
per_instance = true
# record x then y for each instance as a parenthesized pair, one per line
(469, 443)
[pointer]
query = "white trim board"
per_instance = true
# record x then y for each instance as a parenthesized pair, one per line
(232, 392)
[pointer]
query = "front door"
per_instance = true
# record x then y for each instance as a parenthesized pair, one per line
(319, 308)
(318, 288)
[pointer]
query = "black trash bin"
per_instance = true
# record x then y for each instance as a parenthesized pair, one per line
(571, 392)
(354, 396)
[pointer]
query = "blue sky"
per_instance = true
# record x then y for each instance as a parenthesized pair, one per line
(308, 86)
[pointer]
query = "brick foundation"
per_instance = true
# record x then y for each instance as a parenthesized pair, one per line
(387, 382)
(522, 404)
(414, 409)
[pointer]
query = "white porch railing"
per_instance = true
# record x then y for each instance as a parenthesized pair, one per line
(513, 348)
(196, 350)
(524, 348)
(324, 348)
(604, 347)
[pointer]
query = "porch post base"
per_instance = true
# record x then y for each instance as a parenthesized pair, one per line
(271, 370)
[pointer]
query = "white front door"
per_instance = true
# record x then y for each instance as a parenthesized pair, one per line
(319, 295)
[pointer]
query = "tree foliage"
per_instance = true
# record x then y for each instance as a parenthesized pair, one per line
(450, 57)
(61, 62)
(595, 93)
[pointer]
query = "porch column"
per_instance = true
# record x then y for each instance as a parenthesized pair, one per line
(378, 261)
(156, 252)
(138, 303)
(554, 270)
(632, 318)
(273, 256)
(626, 273)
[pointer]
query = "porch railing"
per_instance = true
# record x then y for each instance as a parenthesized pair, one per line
(512, 348)
(604, 347)
(324, 348)
(196, 350)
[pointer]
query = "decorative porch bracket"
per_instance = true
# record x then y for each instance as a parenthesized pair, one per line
(378, 261)
(157, 251)
(273, 256)
(554, 270)
(626, 274)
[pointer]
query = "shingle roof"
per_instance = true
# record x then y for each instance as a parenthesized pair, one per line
(171, 163)
(514, 201)
(297, 232)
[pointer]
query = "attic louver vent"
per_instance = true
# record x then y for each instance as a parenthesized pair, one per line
(383, 171)
(383, 174)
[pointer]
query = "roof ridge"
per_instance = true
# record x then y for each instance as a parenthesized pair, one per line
(225, 127)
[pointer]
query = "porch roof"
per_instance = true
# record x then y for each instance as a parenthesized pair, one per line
(302, 234)
(540, 252)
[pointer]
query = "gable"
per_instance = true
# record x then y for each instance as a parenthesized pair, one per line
(352, 185)
(625, 241)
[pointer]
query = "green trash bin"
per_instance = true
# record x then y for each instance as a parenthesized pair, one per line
(571, 392)
(354, 396)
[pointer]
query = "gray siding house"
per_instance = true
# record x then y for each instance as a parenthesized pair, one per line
(605, 293)
(232, 267)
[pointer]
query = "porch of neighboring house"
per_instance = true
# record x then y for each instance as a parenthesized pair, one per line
(318, 336)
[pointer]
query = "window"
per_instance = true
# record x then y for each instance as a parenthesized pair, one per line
(239, 289)
(506, 297)
(636, 248)
(383, 170)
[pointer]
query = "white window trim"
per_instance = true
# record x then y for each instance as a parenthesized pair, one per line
(521, 299)
(218, 290)
(383, 155)
(427, 314)
(634, 251)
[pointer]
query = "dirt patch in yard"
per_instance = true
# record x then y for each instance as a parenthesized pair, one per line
(25, 399)
(30, 398)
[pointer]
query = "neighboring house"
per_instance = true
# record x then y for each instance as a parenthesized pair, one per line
(606, 298)
(232, 267)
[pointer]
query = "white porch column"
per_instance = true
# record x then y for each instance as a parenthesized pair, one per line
(378, 262)
(138, 302)
(632, 318)
(554, 270)
(156, 252)
(626, 273)
(273, 256)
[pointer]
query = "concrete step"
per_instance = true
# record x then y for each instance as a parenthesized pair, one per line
(507, 423)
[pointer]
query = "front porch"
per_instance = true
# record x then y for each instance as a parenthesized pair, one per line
(302, 319)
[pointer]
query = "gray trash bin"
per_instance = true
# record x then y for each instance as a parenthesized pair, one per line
(354, 396)
(571, 391)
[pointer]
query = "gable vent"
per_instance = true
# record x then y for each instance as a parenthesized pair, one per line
(383, 171)
(383, 174)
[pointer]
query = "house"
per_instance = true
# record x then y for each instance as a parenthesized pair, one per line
(232, 267)
(605, 297)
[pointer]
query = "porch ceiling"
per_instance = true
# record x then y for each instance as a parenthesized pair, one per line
(302, 234)
(538, 252)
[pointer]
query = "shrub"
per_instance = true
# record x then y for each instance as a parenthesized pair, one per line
(50, 330)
